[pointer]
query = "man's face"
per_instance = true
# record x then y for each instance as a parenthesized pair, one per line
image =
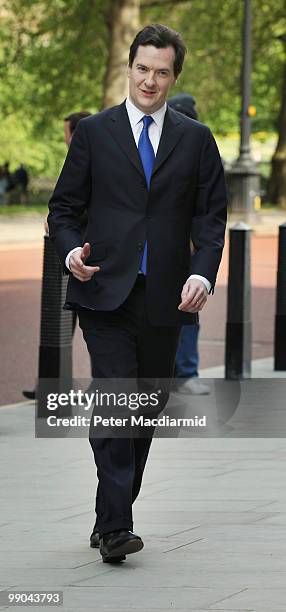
(67, 133)
(150, 77)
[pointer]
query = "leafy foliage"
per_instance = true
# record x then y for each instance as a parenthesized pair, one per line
(53, 59)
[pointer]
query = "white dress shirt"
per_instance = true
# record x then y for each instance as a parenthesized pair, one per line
(155, 130)
(136, 121)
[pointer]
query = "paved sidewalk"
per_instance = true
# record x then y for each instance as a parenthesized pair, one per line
(22, 229)
(261, 368)
(212, 513)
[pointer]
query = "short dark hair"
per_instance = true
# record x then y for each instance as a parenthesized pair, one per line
(160, 36)
(74, 118)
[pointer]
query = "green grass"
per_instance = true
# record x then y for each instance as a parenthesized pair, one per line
(262, 148)
(19, 209)
(271, 207)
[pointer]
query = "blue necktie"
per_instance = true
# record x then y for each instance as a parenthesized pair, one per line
(147, 155)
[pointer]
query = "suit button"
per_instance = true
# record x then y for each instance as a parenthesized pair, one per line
(140, 246)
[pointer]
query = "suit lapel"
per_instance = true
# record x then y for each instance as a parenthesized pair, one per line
(172, 132)
(120, 128)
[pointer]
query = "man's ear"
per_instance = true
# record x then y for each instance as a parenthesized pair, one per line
(128, 71)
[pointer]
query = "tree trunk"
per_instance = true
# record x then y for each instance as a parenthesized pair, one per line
(277, 185)
(123, 25)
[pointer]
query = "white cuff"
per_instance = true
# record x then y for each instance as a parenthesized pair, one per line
(203, 279)
(67, 261)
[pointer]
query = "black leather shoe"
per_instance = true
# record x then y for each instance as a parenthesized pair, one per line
(114, 559)
(116, 544)
(31, 395)
(94, 539)
(94, 543)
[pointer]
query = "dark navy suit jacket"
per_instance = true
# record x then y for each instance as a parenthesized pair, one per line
(103, 175)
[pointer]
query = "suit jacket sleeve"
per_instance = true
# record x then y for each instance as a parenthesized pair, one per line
(71, 196)
(209, 218)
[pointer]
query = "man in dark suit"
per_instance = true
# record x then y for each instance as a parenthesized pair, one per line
(149, 179)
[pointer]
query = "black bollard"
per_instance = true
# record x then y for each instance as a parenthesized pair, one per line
(55, 351)
(280, 315)
(238, 326)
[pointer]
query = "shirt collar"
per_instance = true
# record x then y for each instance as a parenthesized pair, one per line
(135, 114)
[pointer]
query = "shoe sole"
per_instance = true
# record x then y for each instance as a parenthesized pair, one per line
(113, 559)
(132, 546)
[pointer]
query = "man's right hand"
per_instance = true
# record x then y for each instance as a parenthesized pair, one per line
(77, 267)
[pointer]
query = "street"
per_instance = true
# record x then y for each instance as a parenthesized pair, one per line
(20, 286)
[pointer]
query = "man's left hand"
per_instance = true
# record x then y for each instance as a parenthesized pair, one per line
(194, 296)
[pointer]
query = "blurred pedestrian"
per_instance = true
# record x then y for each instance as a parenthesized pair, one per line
(70, 123)
(22, 179)
(8, 175)
(3, 185)
(187, 357)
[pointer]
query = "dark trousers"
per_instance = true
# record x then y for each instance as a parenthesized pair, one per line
(122, 344)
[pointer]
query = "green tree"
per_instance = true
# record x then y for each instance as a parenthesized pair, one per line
(52, 61)
(123, 24)
(277, 185)
(68, 55)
